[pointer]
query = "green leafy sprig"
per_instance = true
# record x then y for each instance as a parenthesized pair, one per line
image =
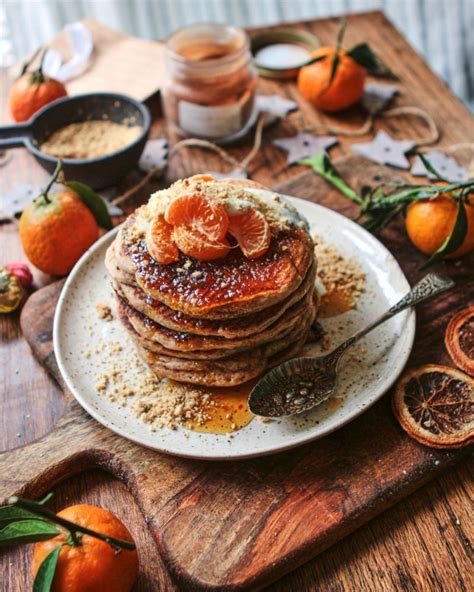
(379, 205)
(26, 521)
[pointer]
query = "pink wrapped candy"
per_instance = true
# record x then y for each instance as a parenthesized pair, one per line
(22, 272)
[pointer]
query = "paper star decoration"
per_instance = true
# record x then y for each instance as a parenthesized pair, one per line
(234, 174)
(274, 107)
(15, 201)
(377, 96)
(446, 166)
(155, 155)
(304, 144)
(385, 150)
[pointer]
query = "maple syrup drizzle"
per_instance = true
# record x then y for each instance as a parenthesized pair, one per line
(335, 302)
(227, 410)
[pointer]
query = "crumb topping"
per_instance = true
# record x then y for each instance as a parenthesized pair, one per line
(104, 311)
(339, 281)
(278, 212)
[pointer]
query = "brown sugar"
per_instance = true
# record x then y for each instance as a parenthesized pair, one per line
(90, 139)
(343, 280)
(104, 311)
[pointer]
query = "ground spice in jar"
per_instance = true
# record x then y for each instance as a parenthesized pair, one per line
(210, 88)
(90, 139)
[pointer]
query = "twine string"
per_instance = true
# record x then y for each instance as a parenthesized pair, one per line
(195, 142)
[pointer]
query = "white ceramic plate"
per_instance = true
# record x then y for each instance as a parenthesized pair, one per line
(366, 374)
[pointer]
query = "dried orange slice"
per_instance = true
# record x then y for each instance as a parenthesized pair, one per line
(199, 214)
(459, 339)
(435, 405)
(159, 241)
(193, 243)
(251, 231)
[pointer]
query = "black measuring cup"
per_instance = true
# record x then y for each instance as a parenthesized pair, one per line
(97, 172)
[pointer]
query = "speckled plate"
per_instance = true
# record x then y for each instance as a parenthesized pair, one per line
(369, 370)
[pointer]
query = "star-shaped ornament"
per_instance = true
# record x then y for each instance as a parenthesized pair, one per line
(274, 107)
(16, 200)
(234, 174)
(446, 166)
(304, 144)
(378, 96)
(155, 155)
(385, 150)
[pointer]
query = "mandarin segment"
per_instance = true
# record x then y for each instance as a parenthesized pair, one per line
(199, 214)
(193, 243)
(251, 231)
(160, 243)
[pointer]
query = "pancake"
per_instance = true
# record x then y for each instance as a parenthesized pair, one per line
(236, 359)
(223, 288)
(115, 272)
(185, 341)
(225, 328)
(217, 376)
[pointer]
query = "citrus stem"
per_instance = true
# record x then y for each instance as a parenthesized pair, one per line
(40, 68)
(52, 181)
(73, 528)
(28, 63)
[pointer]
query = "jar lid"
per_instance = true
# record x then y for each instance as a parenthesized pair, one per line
(281, 53)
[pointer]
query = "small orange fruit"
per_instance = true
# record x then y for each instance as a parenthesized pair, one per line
(55, 230)
(195, 244)
(251, 231)
(160, 243)
(346, 88)
(92, 564)
(31, 92)
(429, 222)
(199, 214)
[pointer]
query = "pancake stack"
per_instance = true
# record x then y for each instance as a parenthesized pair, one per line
(220, 322)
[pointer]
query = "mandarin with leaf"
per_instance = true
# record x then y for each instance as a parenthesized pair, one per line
(88, 564)
(429, 222)
(33, 90)
(343, 91)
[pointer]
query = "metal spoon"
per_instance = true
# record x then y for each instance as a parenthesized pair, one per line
(303, 383)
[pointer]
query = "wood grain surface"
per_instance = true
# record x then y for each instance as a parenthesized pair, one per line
(372, 559)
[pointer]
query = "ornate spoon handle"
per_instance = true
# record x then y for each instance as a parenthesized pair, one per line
(427, 287)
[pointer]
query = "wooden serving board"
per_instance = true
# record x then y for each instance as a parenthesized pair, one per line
(239, 525)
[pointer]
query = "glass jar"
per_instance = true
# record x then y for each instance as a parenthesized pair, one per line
(209, 91)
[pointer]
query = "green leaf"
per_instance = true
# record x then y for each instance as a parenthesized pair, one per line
(430, 168)
(334, 65)
(454, 240)
(93, 201)
(27, 531)
(13, 514)
(322, 166)
(314, 60)
(47, 569)
(364, 56)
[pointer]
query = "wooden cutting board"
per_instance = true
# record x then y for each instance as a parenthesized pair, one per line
(238, 525)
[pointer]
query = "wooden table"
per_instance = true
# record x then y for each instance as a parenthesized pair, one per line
(423, 543)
